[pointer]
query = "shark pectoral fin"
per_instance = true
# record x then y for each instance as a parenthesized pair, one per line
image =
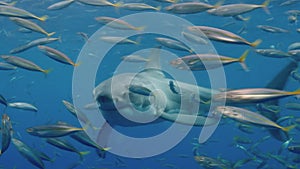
(199, 100)
(103, 135)
(159, 101)
(187, 119)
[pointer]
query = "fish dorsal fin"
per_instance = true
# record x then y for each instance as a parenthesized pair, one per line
(153, 65)
(154, 62)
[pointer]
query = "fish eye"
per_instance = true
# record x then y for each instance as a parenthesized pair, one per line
(29, 130)
(235, 114)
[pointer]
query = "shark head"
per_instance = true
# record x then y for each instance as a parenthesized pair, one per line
(120, 106)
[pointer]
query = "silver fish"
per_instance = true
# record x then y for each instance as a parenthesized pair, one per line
(7, 131)
(30, 25)
(42, 155)
(194, 38)
(55, 130)
(207, 61)
(174, 44)
(190, 7)
(23, 63)
(253, 95)
(272, 29)
(295, 54)
(57, 55)
(118, 39)
(138, 7)
(237, 9)
(99, 3)
(293, 12)
(294, 46)
(83, 138)
(135, 58)
(40, 41)
(221, 35)
(208, 162)
(77, 113)
(274, 53)
(247, 116)
(294, 149)
(289, 2)
(117, 23)
(17, 12)
(6, 66)
(23, 106)
(293, 106)
(28, 153)
(65, 145)
(60, 5)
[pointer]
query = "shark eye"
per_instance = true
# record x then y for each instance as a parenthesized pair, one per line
(103, 99)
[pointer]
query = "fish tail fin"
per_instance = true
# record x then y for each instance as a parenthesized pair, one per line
(83, 153)
(50, 34)
(242, 60)
(47, 71)
(158, 8)
(118, 4)
(296, 92)
(104, 149)
(256, 43)
(76, 64)
(205, 102)
(247, 19)
(288, 128)
(138, 40)
(218, 4)
(265, 6)
(12, 3)
(43, 18)
(140, 28)
(59, 39)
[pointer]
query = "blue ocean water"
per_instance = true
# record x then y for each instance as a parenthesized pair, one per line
(47, 92)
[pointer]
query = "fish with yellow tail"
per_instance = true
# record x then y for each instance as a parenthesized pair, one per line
(99, 3)
(207, 61)
(191, 7)
(53, 130)
(18, 12)
(30, 25)
(28, 153)
(221, 35)
(65, 145)
(117, 23)
(139, 7)
(23, 63)
(246, 116)
(252, 95)
(238, 9)
(57, 55)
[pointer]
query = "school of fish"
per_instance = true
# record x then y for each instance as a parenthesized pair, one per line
(247, 110)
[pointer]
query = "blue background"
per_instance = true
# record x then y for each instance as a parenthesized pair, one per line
(48, 92)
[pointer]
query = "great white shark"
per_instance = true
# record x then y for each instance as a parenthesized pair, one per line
(132, 99)
(147, 97)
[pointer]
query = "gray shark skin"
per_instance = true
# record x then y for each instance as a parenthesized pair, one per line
(116, 101)
(147, 97)
(278, 82)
